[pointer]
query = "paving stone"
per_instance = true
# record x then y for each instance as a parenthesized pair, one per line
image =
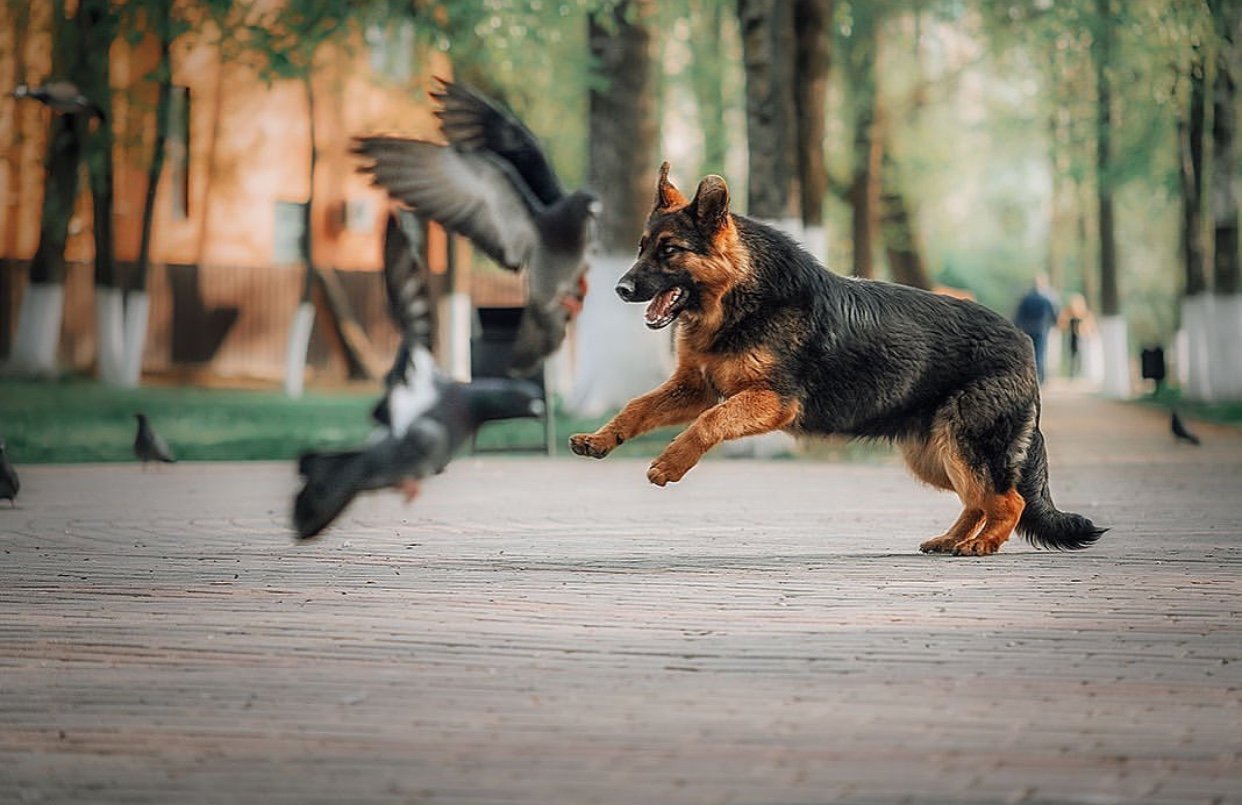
(545, 631)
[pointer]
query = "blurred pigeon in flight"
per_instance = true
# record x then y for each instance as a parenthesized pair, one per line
(9, 484)
(61, 96)
(493, 184)
(149, 445)
(423, 417)
(1179, 430)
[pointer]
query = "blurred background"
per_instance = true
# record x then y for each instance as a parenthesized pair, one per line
(185, 185)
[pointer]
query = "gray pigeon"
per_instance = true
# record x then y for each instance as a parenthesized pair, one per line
(493, 184)
(1180, 432)
(423, 417)
(61, 96)
(9, 484)
(149, 445)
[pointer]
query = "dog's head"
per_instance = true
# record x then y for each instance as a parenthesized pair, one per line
(689, 255)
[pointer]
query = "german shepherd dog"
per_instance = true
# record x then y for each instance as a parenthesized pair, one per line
(769, 339)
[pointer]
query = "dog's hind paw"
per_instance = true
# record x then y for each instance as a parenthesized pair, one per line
(976, 547)
(941, 544)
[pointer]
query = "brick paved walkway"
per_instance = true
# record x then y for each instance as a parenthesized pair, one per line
(557, 631)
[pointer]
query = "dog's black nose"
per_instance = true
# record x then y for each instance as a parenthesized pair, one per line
(625, 290)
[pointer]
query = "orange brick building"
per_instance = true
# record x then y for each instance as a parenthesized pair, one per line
(228, 214)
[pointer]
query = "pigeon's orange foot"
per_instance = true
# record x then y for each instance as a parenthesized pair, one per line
(572, 305)
(409, 487)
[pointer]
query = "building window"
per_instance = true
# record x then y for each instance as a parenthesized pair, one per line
(178, 151)
(392, 46)
(287, 244)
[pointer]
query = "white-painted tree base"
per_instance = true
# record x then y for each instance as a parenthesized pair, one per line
(137, 310)
(1196, 324)
(299, 344)
(109, 334)
(616, 357)
(1225, 352)
(1113, 339)
(456, 314)
(1091, 349)
(38, 330)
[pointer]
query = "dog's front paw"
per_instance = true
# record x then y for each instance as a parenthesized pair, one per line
(595, 445)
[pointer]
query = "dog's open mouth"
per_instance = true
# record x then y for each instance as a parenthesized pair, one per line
(665, 307)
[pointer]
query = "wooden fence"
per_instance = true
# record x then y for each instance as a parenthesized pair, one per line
(231, 322)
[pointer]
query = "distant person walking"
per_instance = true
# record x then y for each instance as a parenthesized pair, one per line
(1078, 323)
(1037, 312)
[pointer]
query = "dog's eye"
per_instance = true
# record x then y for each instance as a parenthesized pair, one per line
(669, 249)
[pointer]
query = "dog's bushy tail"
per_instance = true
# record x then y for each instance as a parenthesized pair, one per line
(1042, 523)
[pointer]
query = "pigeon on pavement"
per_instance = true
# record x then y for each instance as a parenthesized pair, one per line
(423, 417)
(149, 445)
(1179, 430)
(60, 96)
(493, 184)
(9, 484)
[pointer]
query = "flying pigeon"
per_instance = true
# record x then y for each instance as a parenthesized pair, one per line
(9, 484)
(423, 417)
(61, 96)
(1179, 430)
(493, 184)
(149, 445)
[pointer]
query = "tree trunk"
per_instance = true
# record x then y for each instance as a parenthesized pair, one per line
(1193, 351)
(1112, 324)
(812, 62)
(705, 73)
(19, 35)
(865, 189)
(622, 125)
(155, 167)
(37, 341)
(1227, 283)
(771, 120)
(901, 242)
(137, 302)
(304, 319)
(608, 370)
(97, 24)
(204, 226)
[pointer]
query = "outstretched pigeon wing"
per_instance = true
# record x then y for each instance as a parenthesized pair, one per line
(472, 122)
(471, 193)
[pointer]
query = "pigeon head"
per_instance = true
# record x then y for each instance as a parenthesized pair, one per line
(503, 398)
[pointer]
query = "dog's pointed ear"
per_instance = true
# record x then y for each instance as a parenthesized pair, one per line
(667, 196)
(711, 204)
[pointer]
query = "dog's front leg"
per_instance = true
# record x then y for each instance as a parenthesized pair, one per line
(679, 399)
(744, 414)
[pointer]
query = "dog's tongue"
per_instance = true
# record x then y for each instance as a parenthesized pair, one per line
(659, 307)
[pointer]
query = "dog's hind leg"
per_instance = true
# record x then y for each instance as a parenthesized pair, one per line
(927, 461)
(962, 529)
(1000, 515)
(982, 435)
